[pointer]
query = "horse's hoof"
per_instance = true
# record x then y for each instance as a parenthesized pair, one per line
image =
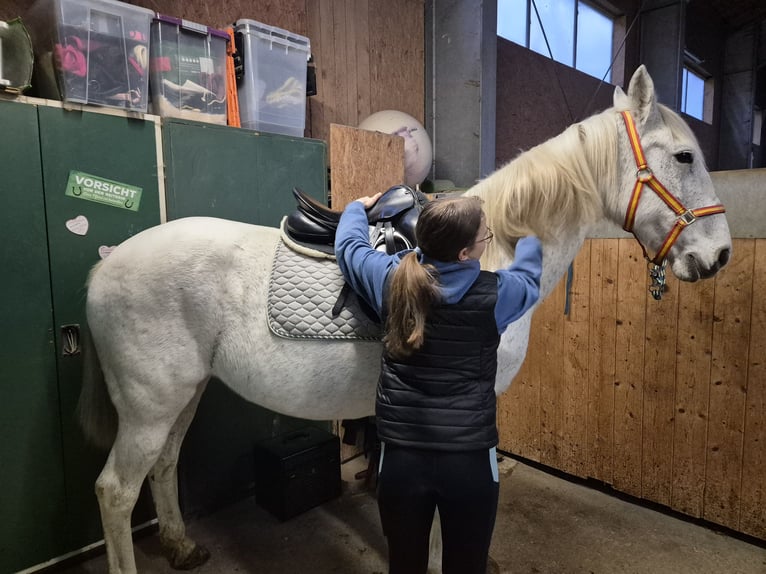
(492, 566)
(196, 557)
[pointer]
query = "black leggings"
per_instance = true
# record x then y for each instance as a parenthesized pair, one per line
(463, 485)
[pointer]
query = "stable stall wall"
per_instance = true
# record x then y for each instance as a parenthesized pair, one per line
(661, 400)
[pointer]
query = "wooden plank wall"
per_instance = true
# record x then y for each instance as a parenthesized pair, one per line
(666, 400)
(368, 54)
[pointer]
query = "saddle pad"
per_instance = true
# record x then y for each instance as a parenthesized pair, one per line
(302, 293)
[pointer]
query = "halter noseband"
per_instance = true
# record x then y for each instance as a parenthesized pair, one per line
(685, 217)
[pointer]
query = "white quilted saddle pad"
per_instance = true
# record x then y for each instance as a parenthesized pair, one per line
(302, 293)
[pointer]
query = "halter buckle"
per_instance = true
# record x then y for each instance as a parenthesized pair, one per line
(644, 174)
(687, 218)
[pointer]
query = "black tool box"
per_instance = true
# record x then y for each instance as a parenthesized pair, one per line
(297, 471)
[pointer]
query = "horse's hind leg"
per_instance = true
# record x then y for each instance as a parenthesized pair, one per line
(182, 552)
(134, 451)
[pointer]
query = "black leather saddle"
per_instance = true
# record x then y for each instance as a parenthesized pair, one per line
(394, 217)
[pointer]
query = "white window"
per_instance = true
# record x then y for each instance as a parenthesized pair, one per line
(573, 32)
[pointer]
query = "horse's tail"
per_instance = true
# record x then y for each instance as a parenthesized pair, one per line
(97, 415)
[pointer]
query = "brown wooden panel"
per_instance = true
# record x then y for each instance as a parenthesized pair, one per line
(519, 406)
(397, 60)
(659, 394)
(727, 394)
(363, 163)
(361, 11)
(601, 358)
(350, 40)
(552, 382)
(342, 79)
(629, 367)
(693, 351)
(368, 57)
(702, 445)
(753, 496)
(575, 368)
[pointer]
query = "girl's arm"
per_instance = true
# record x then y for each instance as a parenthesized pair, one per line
(363, 268)
(519, 285)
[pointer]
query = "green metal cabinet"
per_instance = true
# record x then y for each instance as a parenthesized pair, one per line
(124, 150)
(239, 174)
(31, 477)
(47, 479)
(245, 176)
(47, 503)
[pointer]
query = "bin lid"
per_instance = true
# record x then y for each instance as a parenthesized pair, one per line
(190, 26)
(272, 32)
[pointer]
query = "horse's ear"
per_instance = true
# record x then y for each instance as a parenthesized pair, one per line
(620, 99)
(642, 96)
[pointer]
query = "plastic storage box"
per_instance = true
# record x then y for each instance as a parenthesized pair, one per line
(188, 70)
(297, 471)
(101, 52)
(272, 91)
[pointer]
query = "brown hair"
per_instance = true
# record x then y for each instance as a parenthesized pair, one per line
(444, 228)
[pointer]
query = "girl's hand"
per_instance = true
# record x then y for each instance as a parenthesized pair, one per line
(369, 201)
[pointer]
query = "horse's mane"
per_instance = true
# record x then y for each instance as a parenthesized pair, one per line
(552, 187)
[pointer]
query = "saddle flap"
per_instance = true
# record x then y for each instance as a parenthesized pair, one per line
(396, 200)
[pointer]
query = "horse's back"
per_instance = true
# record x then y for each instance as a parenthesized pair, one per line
(177, 275)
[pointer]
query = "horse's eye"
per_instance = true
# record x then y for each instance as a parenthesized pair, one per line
(685, 157)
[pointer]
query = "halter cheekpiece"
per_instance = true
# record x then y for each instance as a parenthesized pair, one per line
(684, 216)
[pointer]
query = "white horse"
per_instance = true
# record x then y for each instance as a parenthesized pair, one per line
(186, 301)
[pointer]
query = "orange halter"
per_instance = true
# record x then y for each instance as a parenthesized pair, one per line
(645, 176)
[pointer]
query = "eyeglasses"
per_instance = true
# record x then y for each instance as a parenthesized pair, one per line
(488, 238)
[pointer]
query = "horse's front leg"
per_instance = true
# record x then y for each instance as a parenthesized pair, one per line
(183, 553)
(117, 487)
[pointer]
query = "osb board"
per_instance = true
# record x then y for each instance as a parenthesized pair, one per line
(362, 163)
(667, 398)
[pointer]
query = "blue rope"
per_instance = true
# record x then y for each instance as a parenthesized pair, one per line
(568, 296)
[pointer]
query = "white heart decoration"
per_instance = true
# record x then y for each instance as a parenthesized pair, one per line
(78, 225)
(105, 251)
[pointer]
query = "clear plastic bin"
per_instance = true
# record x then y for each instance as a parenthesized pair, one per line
(101, 52)
(272, 91)
(188, 70)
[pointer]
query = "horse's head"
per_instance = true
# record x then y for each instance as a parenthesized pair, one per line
(666, 196)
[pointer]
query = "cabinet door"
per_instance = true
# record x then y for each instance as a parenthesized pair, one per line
(239, 174)
(92, 146)
(31, 477)
(246, 176)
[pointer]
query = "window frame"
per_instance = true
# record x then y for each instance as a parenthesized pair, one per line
(616, 70)
(692, 64)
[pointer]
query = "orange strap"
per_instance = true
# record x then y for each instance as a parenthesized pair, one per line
(232, 103)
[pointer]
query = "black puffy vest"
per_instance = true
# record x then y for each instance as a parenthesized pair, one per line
(442, 397)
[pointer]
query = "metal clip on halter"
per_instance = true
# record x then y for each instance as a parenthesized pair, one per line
(657, 275)
(687, 217)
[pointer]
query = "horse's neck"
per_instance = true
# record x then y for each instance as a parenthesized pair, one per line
(557, 257)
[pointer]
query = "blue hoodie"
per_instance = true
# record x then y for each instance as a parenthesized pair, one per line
(366, 269)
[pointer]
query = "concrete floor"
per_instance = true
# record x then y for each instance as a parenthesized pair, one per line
(545, 525)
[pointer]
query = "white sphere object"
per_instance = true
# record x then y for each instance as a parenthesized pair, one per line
(418, 152)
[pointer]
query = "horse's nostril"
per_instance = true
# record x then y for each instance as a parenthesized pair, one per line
(723, 257)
